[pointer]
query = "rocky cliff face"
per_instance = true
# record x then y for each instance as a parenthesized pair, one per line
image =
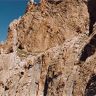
(47, 25)
(48, 52)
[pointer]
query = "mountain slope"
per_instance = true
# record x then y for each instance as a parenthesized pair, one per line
(48, 52)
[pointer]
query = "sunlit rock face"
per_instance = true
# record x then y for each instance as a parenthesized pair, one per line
(39, 31)
(32, 1)
(43, 53)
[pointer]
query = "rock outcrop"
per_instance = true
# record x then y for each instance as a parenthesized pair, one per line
(48, 52)
(40, 30)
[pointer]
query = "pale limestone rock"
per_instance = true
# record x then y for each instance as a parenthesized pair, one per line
(42, 53)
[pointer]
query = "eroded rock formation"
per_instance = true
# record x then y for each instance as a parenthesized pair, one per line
(48, 52)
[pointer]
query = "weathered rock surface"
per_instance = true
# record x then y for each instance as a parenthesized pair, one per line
(40, 30)
(48, 52)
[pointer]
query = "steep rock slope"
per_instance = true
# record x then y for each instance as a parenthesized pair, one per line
(43, 27)
(48, 52)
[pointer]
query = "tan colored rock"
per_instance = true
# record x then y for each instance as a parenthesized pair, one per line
(43, 50)
(39, 31)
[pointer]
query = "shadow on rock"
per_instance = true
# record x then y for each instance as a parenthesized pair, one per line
(91, 5)
(91, 86)
(89, 49)
(55, 1)
(49, 79)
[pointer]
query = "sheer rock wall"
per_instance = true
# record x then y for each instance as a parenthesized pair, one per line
(43, 53)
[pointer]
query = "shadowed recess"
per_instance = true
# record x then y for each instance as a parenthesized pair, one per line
(49, 79)
(89, 49)
(91, 5)
(55, 1)
(91, 86)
